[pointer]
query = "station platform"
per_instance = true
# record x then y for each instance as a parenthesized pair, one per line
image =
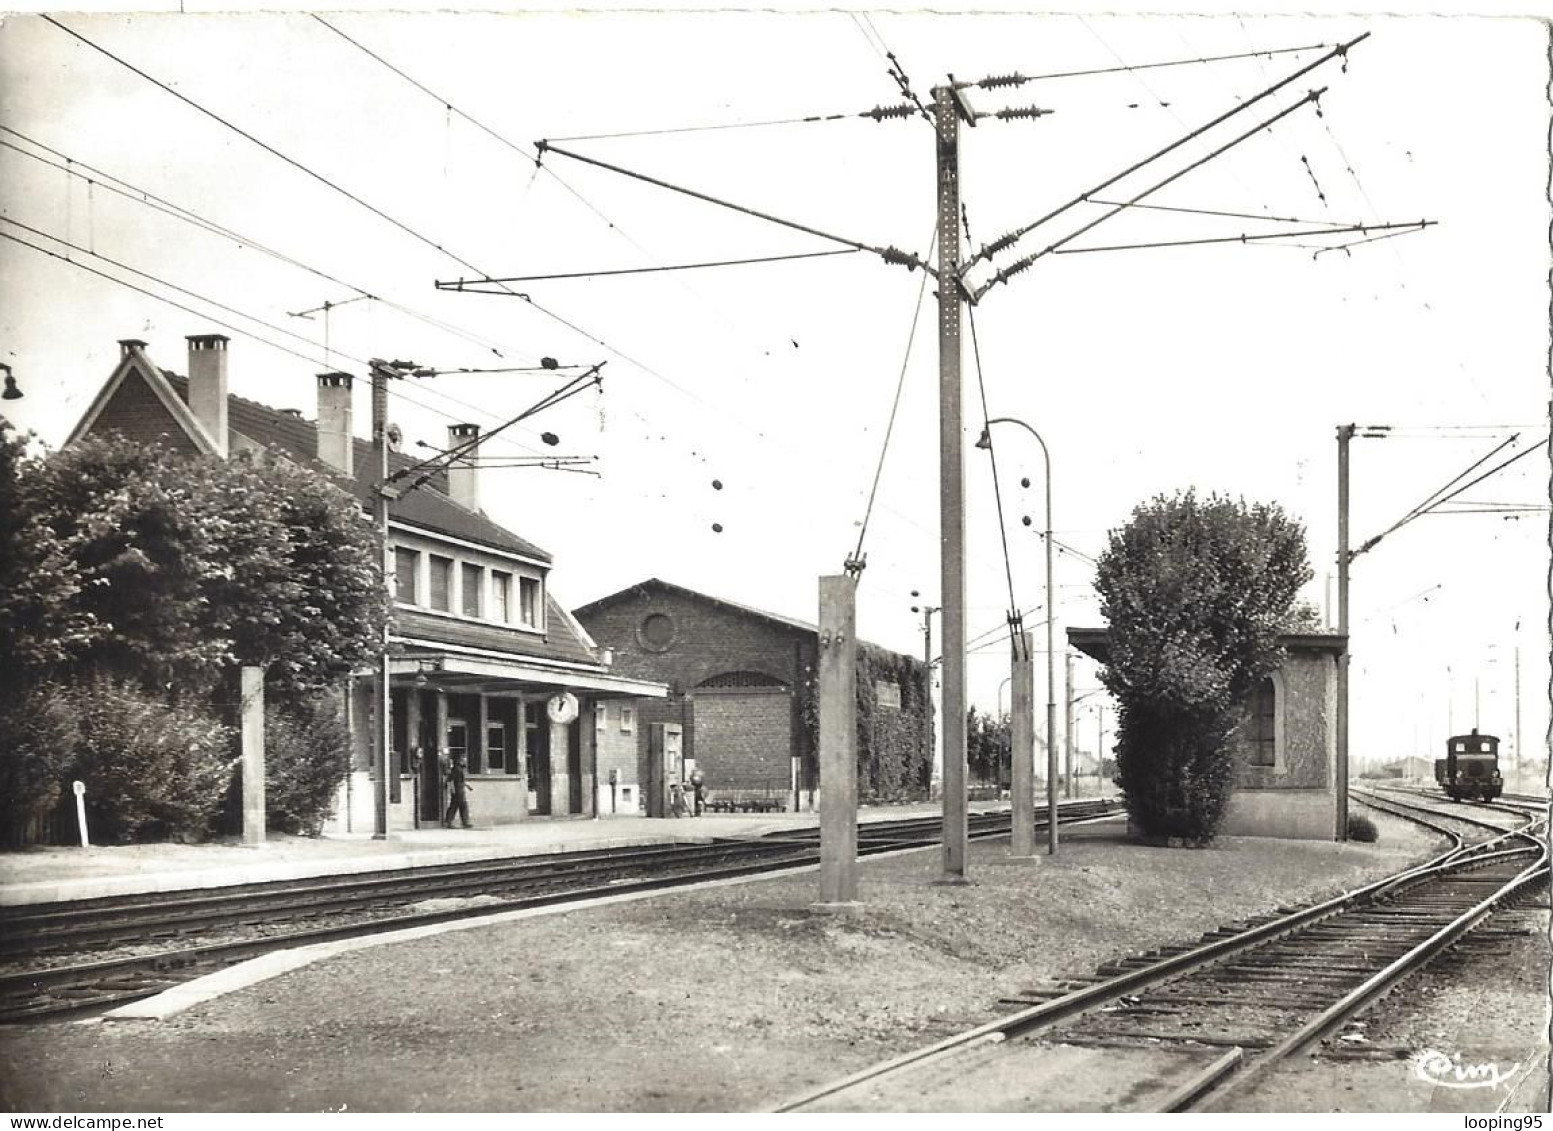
(50, 874)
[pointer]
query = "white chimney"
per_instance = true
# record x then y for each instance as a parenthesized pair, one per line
(336, 446)
(207, 385)
(463, 475)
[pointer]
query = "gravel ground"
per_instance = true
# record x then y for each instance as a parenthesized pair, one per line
(722, 999)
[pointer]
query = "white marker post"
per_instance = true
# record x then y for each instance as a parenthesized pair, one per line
(80, 810)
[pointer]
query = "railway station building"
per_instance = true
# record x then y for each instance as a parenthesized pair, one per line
(1285, 749)
(741, 698)
(484, 660)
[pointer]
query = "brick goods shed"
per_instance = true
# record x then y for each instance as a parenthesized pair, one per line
(1286, 746)
(741, 692)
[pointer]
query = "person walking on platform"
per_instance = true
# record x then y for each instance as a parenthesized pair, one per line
(458, 789)
(698, 790)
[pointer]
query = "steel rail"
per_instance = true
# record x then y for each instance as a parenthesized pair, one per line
(1365, 994)
(789, 857)
(73, 921)
(1044, 1016)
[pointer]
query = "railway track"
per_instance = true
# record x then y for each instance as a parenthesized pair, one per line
(1209, 1020)
(70, 957)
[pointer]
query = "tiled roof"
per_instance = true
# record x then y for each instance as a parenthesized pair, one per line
(654, 582)
(427, 506)
(559, 642)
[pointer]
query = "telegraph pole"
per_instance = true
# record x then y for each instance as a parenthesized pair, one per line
(1067, 726)
(380, 697)
(949, 107)
(1340, 771)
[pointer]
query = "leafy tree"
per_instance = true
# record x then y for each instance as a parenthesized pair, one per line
(192, 566)
(126, 567)
(988, 746)
(1195, 593)
(40, 622)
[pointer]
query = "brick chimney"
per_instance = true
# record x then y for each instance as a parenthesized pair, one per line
(463, 475)
(207, 385)
(336, 446)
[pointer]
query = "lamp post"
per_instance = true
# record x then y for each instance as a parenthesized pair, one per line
(1345, 557)
(1051, 625)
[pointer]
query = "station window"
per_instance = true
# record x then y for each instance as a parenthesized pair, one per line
(600, 716)
(474, 583)
(528, 595)
(496, 747)
(406, 567)
(627, 720)
(501, 596)
(441, 583)
(1264, 704)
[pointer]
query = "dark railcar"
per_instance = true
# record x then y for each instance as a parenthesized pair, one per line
(1470, 768)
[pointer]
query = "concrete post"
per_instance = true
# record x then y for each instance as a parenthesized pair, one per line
(838, 741)
(252, 698)
(1022, 781)
(560, 778)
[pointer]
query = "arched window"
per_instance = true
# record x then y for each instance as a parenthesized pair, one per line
(1264, 726)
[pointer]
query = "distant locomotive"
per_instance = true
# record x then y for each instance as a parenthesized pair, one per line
(1470, 768)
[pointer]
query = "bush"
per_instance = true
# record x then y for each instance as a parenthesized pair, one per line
(37, 735)
(306, 755)
(153, 770)
(1361, 828)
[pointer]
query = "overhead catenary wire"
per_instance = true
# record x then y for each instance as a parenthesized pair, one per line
(1397, 229)
(522, 151)
(809, 119)
(889, 429)
(889, 254)
(325, 362)
(1419, 512)
(320, 178)
(467, 286)
(1008, 240)
(178, 212)
(1437, 494)
(1014, 617)
(893, 65)
(994, 81)
(440, 462)
(1223, 213)
(1027, 261)
(644, 367)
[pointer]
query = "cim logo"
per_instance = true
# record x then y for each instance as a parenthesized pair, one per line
(1434, 1067)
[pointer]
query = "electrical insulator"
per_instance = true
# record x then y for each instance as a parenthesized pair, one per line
(1025, 520)
(1025, 482)
(717, 528)
(717, 484)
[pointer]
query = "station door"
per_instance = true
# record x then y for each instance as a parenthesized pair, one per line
(743, 737)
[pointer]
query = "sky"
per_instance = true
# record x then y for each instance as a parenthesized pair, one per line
(743, 409)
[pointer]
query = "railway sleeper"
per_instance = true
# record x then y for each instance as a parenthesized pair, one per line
(1098, 1035)
(1311, 962)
